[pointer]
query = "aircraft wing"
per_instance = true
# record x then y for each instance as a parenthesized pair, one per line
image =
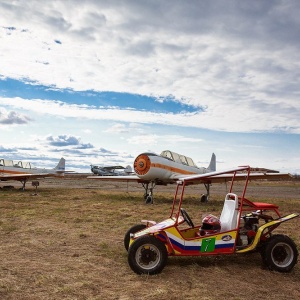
(125, 178)
(21, 177)
(208, 178)
(219, 177)
(109, 168)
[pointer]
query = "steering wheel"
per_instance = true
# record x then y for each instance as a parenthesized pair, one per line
(187, 217)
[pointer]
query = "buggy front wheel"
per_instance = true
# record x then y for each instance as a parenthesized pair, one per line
(280, 253)
(147, 255)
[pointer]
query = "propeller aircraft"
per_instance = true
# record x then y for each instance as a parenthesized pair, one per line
(24, 171)
(168, 167)
(111, 170)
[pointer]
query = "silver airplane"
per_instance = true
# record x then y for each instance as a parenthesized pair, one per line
(111, 170)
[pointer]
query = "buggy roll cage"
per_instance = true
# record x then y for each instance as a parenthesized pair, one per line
(206, 178)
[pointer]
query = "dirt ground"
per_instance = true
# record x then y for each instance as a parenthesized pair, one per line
(66, 242)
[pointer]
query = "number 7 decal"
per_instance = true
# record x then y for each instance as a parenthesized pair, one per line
(208, 245)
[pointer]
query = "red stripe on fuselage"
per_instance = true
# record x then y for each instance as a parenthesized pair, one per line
(172, 169)
(13, 172)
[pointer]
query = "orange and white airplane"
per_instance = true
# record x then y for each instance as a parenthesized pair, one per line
(24, 171)
(168, 167)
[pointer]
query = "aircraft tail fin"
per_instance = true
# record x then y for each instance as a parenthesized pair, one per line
(128, 169)
(60, 168)
(213, 164)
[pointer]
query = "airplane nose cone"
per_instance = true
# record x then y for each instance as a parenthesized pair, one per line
(142, 164)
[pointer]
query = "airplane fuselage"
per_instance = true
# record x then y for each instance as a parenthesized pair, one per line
(19, 171)
(153, 167)
(14, 170)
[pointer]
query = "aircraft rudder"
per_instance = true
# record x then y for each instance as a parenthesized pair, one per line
(213, 163)
(61, 165)
(128, 169)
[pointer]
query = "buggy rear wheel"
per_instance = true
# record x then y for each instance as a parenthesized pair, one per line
(147, 255)
(280, 253)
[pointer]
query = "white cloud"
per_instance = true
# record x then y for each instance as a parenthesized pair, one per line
(149, 140)
(154, 139)
(87, 131)
(117, 128)
(249, 54)
(233, 118)
(243, 68)
(13, 118)
(121, 128)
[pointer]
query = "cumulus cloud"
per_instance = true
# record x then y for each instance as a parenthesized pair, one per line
(63, 140)
(241, 67)
(13, 118)
(237, 59)
(7, 149)
(133, 46)
(69, 144)
(67, 140)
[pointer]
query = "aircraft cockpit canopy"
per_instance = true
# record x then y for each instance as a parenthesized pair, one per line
(19, 164)
(178, 158)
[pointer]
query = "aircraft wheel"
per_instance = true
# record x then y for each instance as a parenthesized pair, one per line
(133, 229)
(280, 253)
(149, 200)
(204, 198)
(147, 255)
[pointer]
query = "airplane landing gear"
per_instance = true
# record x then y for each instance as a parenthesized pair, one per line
(23, 184)
(204, 197)
(35, 184)
(149, 199)
(148, 196)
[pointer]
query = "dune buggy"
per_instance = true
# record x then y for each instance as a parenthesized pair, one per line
(245, 226)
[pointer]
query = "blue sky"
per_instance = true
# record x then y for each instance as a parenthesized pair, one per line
(99, 82)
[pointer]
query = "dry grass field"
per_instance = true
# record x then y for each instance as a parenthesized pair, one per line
(66, 242)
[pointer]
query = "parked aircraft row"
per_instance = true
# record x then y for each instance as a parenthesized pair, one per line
(169, 167)
(150, 169)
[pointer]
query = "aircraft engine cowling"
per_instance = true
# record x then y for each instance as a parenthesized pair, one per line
(142, 164)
